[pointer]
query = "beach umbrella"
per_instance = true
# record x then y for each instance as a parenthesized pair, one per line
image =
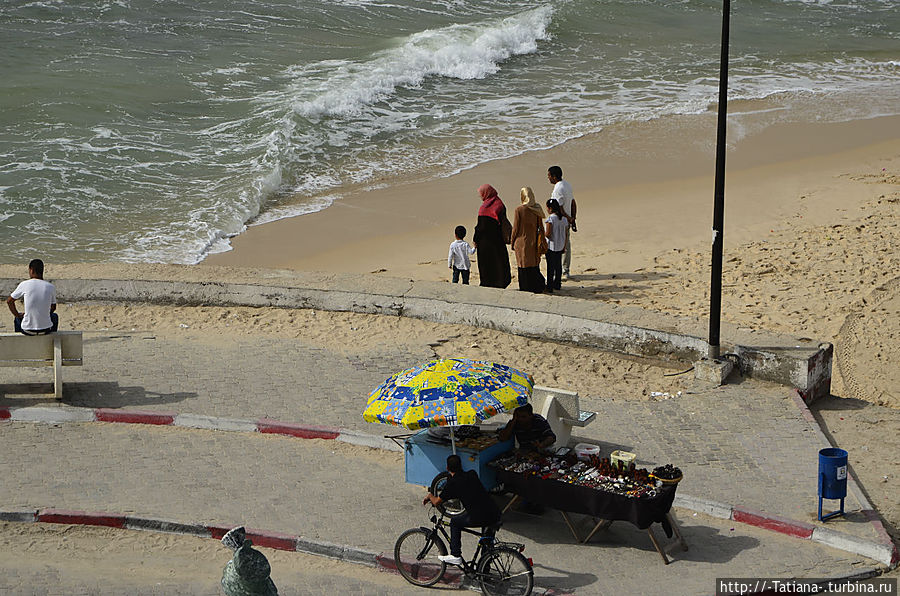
(448, 392)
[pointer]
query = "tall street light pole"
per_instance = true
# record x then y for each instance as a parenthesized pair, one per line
(715, 287)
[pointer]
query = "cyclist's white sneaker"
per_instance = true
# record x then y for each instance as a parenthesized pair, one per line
(451, 559)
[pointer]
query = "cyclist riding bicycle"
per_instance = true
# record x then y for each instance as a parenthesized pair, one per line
(481, 511)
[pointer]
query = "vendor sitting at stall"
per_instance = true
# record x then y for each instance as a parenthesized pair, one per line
(480, 509)
(532, 430)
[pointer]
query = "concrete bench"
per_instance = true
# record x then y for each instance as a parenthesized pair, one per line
(562, 411)
(63, 348)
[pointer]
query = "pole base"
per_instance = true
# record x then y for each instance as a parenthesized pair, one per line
(714, 372)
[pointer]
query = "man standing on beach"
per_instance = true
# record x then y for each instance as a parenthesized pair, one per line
(562, 192)
(40, 303)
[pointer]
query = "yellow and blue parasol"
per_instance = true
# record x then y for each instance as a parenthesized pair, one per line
(448, 392)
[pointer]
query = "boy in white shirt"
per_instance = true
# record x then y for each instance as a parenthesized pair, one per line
(40, 303)
(458, 259)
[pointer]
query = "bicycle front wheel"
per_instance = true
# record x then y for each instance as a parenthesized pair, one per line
(505, 571)
(416, 556)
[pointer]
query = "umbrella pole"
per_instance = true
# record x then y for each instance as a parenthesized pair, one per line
(452, 440)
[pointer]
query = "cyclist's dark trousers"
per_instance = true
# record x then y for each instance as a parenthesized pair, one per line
(456, 525)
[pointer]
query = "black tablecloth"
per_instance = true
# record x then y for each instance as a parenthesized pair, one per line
(601, 504)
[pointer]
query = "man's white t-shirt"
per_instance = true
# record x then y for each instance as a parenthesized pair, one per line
(562, 192)
(39, 295)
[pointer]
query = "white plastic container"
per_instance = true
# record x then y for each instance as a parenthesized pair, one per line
(585, 450)
(621, 456)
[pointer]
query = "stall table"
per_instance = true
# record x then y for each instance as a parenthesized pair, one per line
(603, 506)
(426, 457)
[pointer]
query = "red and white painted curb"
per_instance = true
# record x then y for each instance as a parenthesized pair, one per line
(264, 538)
(261, 538)
(883, 550)
(62, 414)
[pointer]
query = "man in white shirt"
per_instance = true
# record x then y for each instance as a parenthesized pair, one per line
(40, 303)
(562, 192)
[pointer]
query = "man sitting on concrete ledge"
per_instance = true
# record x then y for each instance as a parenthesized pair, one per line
(40, 303)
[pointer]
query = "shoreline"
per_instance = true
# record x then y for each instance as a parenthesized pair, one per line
(630, 209)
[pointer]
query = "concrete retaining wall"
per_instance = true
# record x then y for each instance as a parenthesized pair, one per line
(803, 364)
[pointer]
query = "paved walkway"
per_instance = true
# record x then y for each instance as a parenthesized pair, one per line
(327, 491)
(745, 444)
(87, 564)
(239, 377)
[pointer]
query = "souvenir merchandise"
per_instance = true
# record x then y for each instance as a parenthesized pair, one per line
(667, 474)
(478, 441)
(597, 473)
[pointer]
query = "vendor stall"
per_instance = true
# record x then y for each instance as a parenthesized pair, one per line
(445, 400)
(426, 453)
(595, 488)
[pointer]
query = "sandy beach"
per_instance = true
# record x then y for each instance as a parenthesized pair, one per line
(811, 230)
(194, 143)
(642, 189)
(811, 227)
(811, 233)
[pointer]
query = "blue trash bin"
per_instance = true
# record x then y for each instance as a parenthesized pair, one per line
(832, 478)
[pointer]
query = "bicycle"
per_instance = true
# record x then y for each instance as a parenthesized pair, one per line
(499, 567)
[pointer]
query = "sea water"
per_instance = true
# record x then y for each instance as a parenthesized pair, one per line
(155, 130)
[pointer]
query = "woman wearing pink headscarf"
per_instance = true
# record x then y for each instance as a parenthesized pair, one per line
(491, 241)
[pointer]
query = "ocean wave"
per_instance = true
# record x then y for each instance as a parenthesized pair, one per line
(220, 131)
(317, 204)
(465, 52)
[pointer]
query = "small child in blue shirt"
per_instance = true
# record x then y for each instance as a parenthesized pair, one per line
(458, 259)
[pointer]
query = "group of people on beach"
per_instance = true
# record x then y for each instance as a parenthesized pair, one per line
(531, 235)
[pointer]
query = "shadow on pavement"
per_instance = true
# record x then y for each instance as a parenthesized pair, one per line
(86, 395)
(705, 544)
(561, 579)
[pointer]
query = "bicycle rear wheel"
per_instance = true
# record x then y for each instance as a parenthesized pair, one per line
(505, 571)
(416, 556)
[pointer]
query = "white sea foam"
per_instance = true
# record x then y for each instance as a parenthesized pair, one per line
(102, 132)
(189, 150)
(310, 206)
(458, 51)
